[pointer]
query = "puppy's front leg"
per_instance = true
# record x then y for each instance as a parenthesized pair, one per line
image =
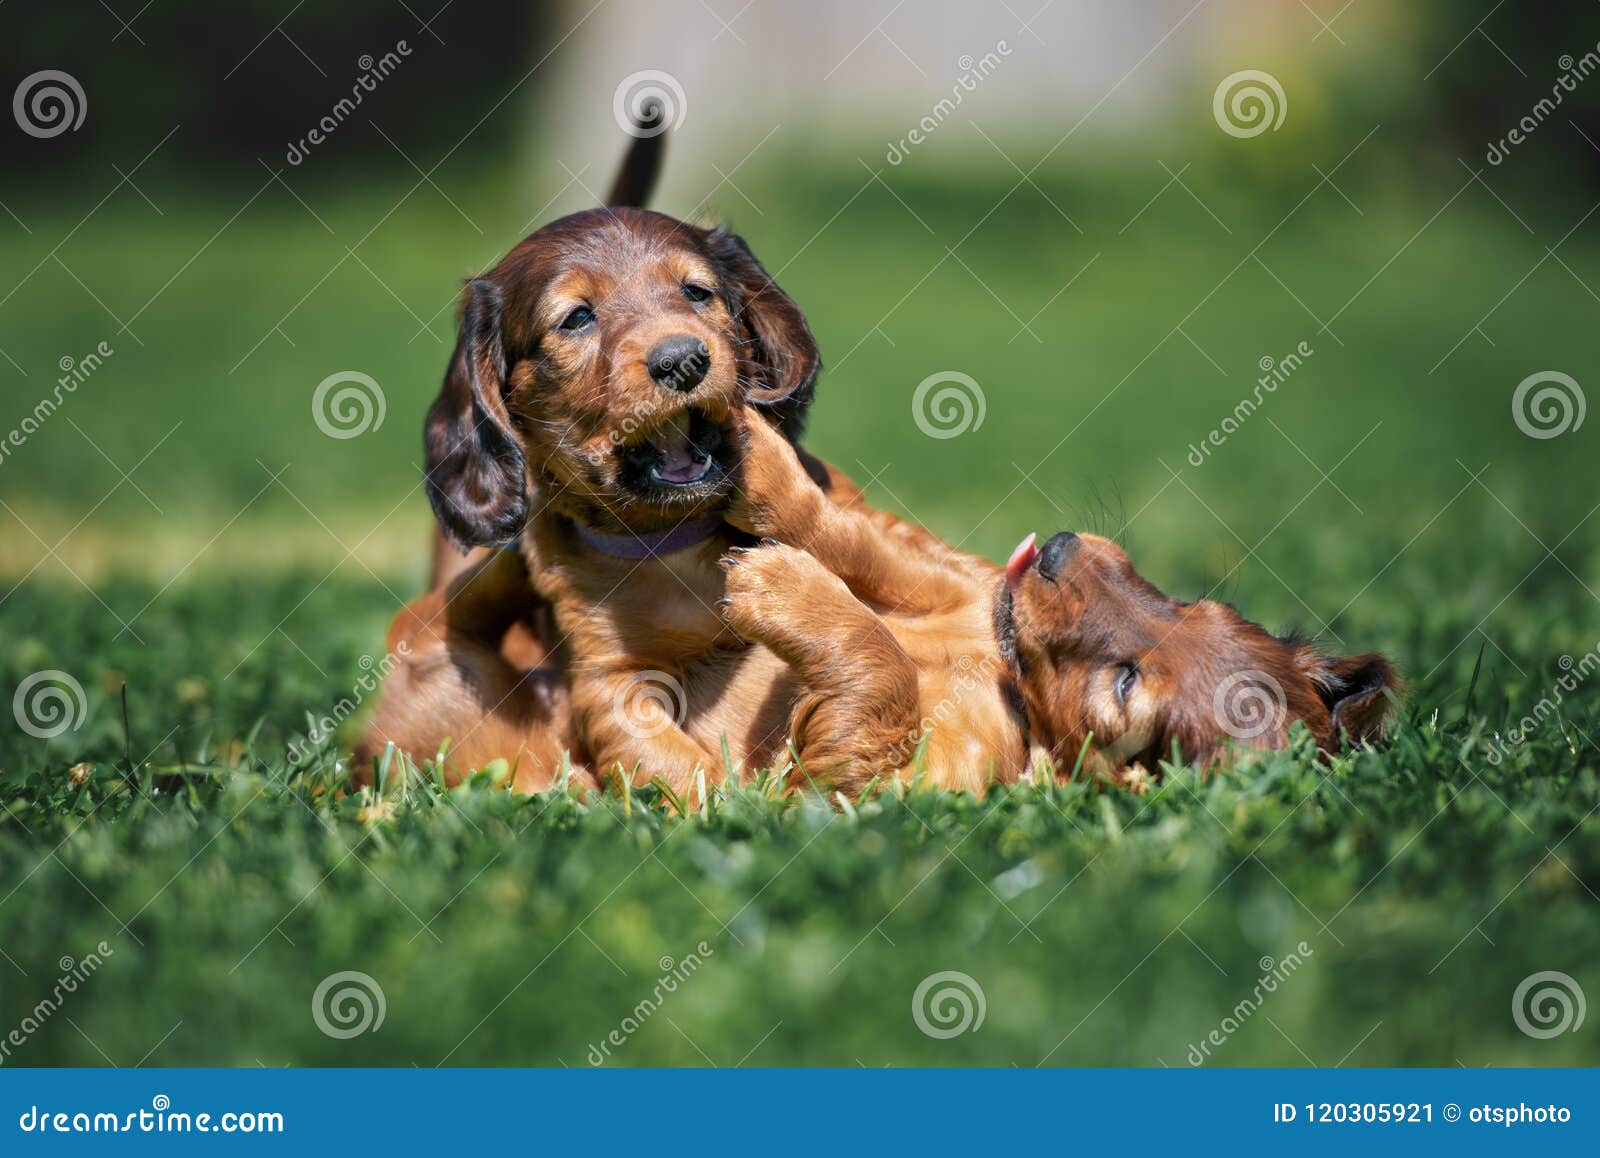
(857, 715)
(632, 720)
(777, 499)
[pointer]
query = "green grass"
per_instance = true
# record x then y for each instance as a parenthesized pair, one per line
(1103, 928)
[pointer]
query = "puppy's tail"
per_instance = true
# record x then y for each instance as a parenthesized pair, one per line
(642, 164)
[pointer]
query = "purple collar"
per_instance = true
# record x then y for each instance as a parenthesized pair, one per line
(632, 545)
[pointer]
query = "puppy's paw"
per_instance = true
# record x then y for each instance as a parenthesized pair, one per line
(764, 572)
(767, 586)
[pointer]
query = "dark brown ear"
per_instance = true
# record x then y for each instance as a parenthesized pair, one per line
(782, 360)
(475, 467)
(1355, 688)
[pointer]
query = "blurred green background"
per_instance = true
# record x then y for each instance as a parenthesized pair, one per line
(1111, 294)
(1111, 269)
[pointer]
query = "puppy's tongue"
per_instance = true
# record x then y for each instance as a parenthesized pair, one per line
(679, 461)
(1021, 559)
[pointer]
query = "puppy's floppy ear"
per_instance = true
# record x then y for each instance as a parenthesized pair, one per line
(781, 360)
(1353, 688)
(475, 467)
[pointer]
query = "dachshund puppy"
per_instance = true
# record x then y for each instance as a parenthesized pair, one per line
(910, 658)
(585, 420)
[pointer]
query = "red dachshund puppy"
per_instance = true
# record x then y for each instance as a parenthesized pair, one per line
(906, 657)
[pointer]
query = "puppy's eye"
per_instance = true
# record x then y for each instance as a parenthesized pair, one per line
(1123, 680)
(695, 293)
(578, 318)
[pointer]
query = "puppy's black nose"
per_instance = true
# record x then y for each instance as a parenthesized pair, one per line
(678, 362)
(1054, 554)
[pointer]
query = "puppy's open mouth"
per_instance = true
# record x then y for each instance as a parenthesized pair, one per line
(682, 460)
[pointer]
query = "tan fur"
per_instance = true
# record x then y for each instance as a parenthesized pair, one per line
(472, 676)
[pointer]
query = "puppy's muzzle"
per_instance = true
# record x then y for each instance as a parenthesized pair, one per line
(1055, 553)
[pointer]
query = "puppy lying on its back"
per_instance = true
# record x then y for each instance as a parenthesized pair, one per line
(1066, 651)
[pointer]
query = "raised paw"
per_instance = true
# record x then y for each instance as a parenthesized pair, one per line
(770, 571)
(772, 590)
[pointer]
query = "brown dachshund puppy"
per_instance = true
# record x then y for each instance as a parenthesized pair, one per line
(587, 412)
(911, 658)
